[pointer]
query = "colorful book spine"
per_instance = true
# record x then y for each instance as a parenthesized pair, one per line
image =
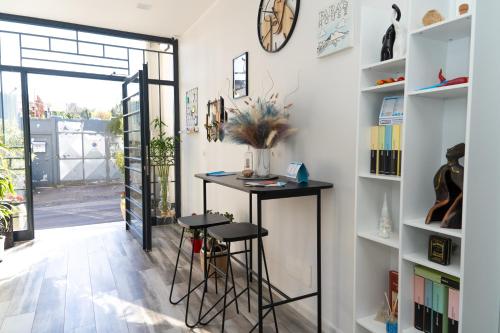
(393, 287)
(374, 149)
(381, 153)
(396, 150)
(435, 276)
(439, 308)
(428, 306)
(453, 310)
(418, 299)
(388, 150)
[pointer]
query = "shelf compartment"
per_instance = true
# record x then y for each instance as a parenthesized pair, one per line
(453, 29)
(411, 330)
(380, 177)
(421, 259)
(455, 91)
(389, 87)
(434, 227)
(388, 66)
(393, 241)
(371, 324)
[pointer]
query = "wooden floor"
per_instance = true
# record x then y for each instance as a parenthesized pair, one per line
(97, 279)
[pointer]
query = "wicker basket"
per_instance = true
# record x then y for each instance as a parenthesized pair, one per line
(220, 262)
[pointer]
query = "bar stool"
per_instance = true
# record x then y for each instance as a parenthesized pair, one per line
(194, 223)
(230, 233)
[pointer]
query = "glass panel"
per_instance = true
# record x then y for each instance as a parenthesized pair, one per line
(37, 30)
(110, 40)
(10, 52)
(152, 61)
(50, 64)
(35, 42)
(63, 45)
(74, 58)
(91, 49)
(115, 52)
(166, 66)
(13, 137)
(136, 60)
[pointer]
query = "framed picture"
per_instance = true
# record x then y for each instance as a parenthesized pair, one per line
(240, 76)
(192, 111)
(335, 24)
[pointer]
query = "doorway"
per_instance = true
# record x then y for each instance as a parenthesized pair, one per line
(76, 141)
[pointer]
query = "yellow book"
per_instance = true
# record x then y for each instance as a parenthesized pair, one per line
(396, 145)
(373, 149)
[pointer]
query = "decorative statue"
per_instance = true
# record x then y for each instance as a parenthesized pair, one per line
(385, 222)
(448, 184)
(390, 37)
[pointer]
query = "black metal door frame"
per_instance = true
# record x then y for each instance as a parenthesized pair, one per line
(143, 235)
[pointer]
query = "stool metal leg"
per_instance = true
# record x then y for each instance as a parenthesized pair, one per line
(269, 287)
(175, 270)
(234, 285)
(228, 246)
(189, 290)
(247, 273)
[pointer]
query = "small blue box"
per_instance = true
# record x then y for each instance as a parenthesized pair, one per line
(297, 172)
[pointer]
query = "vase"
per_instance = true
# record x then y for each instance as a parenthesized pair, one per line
(263, 167)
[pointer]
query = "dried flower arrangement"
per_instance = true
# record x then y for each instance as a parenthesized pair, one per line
(262, 124)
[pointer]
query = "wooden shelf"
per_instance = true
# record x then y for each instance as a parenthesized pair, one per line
(371, 324)
(421, 259)
(434, 227)
(388, 66)
(393, 241)
(455, 28)
(380, 177)
(389, 87)
(455, 91)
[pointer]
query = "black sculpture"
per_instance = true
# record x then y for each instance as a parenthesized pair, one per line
(389, 38)
(449, 184)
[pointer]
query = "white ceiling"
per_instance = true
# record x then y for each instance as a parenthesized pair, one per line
(166, 18)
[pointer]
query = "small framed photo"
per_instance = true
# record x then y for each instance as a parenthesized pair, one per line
(240, 76)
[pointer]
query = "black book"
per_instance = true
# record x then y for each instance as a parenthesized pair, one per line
(373, 161)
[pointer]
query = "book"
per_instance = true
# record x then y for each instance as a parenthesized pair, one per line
(435, 276)
(453, 310)
(418, 300)
(373, 149)
(393, 287)
(388, 149)
(439, 308)
(381, 153)
(396, 150)
(428, 306)
(266, 183)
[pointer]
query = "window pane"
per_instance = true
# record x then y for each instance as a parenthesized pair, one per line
(10, 49)
(35, 42)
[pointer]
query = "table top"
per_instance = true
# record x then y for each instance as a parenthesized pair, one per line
(289, 190)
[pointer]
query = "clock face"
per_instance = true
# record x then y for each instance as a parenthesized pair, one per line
(276, 22)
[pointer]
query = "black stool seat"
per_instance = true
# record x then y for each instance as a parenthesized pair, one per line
(202, 221)
(234, 232)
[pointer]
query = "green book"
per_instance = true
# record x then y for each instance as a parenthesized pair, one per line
(439, 308)
(435, 276)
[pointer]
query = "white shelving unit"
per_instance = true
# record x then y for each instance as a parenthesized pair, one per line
(435, 119)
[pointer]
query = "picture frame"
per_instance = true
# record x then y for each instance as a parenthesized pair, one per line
(240, 76)
(335, 27)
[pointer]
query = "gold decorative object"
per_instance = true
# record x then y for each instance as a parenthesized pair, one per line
(463, 8)
(432, 17)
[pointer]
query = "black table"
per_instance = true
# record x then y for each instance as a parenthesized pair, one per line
(290, 190)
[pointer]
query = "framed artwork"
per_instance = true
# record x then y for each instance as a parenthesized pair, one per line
(192, 111)
(335, 27)
(240, 76)
(276, 22)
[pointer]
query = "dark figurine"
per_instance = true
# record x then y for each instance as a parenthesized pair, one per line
(389, 38)
(449, 184)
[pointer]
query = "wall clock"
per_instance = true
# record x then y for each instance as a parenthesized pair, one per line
(276, 21)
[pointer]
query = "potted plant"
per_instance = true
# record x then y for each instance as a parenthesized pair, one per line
(261, 125)
(162, 152)
(120, 164)
(6, 189)
(216, 249)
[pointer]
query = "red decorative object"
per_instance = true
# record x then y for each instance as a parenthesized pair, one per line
(458, 80)
(197, 244)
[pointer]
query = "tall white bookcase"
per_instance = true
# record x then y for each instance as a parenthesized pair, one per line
(434, 120)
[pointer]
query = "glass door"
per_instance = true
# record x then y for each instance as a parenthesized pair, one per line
(136, 150)
(14, 127)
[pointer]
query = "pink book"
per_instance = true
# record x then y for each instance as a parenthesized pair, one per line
(418, 300)
(453, 310)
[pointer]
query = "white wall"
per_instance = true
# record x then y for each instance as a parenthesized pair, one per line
(325, 114)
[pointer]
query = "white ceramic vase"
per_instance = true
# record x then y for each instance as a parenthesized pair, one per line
(385, 221)
(263, 166)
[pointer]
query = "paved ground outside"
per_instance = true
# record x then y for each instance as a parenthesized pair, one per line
(71, 206)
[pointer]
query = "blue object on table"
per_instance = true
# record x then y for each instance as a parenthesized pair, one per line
(220, 173)
(391, 327)
(297, 172)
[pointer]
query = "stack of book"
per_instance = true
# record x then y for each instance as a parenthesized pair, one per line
(385, 149)
(436, 296)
